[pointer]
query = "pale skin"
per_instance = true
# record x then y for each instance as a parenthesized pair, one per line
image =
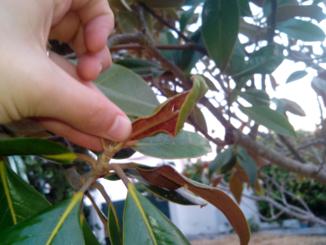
(47, 88)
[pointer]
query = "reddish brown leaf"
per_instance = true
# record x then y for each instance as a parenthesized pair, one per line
(164, 120)
(171, 115)
(166, 176)
(236, 185)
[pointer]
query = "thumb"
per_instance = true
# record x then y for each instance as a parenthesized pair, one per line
(80, 105)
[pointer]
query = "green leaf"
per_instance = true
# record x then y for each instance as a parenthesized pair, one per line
(319, 85)
(18, 200)
(198, 90)
(197, 118)
(248, 164)
(187, 59)
(114, 230)
(220, 29)
(289, 11)
(284, 105)
(270, 119)
(255, 97)
(128, 90)
(89, 237)
(296, 76)
(184, 145)
(245, 8)
(58, 225)
(263, 61)
(300, 29)
(32, 146)
(222, 159)
(143, 223)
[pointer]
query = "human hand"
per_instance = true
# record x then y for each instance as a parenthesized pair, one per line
(49, 89)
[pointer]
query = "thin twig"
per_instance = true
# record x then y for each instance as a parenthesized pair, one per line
(100, 214)
(120, 173)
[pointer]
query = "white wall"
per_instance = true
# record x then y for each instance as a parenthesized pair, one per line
(194, 220)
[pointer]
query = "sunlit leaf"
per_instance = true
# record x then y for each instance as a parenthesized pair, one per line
(270, 119)
(128, 90)
(220, 29)
(143, 223)
(183, 145)
(171, 115)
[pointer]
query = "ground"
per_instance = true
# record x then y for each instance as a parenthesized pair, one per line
(266, 239)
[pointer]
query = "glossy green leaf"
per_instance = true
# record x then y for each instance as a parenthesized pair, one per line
(270, 119)
(114, 229)
(247, 164)
(220, 29)
(300, 29)
(32, 146)
(296, 76)
(184, 145)
(18, 200)
(255, 97)
(143, 223)
(58, 225)
(128, 90)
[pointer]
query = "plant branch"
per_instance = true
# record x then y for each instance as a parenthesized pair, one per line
(308, 169)
(164, 22)
(98, 211)
(120, 173)
(135, 46)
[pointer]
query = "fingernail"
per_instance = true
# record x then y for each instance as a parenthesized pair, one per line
(120, 129)
(100, 67)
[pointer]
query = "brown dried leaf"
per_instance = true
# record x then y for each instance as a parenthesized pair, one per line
(167, 177)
